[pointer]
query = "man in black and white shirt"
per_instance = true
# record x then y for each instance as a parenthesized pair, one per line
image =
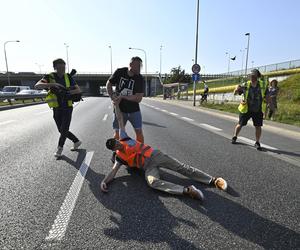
(129, 91)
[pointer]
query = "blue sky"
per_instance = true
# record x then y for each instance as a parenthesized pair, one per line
(90, 26)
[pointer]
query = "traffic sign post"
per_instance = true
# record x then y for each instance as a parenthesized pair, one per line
(196, 77)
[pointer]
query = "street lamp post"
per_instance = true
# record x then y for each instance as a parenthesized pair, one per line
(228, 66)
(196, 53)
(146, 87)
(243, 54)
(247, 34)
(40, 67)
(67, 46)
(8, 77)
(252, 62)
(160, 59)
(110, 58)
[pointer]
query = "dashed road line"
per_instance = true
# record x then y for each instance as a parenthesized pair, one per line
(60, 225)
(210, 127)
(105, 117)
(186, 118)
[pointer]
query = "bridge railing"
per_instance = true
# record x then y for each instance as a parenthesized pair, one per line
(13, 98)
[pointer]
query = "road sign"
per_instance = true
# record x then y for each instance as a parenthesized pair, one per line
(196, 68)
(196, 77)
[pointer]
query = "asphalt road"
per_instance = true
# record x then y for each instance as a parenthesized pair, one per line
(57, 204)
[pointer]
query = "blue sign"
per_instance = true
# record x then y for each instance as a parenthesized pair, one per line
(196, 77)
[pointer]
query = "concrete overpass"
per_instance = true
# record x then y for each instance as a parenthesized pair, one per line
(90, 83)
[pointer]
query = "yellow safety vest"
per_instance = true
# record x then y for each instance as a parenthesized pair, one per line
(243, 107)
(51, 98)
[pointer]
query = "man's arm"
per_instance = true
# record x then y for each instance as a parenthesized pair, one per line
(109, 89)
(76, 90)
(43, 84)
(119, 116)
(134, 98)
(108, 178)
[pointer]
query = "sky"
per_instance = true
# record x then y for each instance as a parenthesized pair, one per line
(89, 27)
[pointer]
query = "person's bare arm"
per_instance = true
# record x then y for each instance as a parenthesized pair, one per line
(110, 176)
(119, 116)
(43, 84)
(134, 98)
(109, 89)
(77, 90)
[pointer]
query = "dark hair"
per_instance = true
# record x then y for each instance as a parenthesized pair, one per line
(256, 72)
(111, 143)
(58, 61)
(136, 58)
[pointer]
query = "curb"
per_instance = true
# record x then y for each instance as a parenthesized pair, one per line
(19, 106)
(289, 130)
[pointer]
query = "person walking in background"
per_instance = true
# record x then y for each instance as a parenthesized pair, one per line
(272, 93)
(251, 106)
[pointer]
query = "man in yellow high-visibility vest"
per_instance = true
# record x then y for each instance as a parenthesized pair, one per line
(59, 83)
(254, 92)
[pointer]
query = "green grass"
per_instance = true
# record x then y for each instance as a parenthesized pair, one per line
(288, 102)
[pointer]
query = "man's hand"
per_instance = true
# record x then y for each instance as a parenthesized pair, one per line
(116, 101)
(103, 187)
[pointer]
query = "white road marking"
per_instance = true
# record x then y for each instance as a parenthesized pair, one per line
(210, 127)
(7, 122)
(163, 110)
(171, 113)
(105, 117)
(157, 108)
(251, 142)
(59, 227)
(188, 119)
(109, 107)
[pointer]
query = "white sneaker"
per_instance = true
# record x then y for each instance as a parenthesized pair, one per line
(58, 153)
(76, 145)
(220, 183)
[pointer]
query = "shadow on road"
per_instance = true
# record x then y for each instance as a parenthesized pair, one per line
(143, 217)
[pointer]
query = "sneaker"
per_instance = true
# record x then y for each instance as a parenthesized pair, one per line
(113, 157)
(233, 140)
(58, 153)
(76, 145)
(220, 183)
(257, 146)
(194, 192)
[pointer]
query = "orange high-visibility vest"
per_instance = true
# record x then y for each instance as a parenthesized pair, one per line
(135, 155)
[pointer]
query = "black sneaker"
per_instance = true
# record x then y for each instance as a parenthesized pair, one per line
(233, 140)
(113, 157)
(257, 146)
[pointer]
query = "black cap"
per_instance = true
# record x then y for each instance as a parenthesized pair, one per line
(58, 61)
(255, 72)
(111, 143)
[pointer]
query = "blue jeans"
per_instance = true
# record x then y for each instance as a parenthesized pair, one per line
(134, 118)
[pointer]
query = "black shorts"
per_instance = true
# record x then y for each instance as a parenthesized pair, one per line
(257, 118)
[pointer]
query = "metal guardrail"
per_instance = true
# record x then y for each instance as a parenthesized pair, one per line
(11, 98)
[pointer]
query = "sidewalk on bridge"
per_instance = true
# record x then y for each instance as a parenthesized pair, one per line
(276, 127)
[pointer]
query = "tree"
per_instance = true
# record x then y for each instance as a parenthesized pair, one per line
(177, 75)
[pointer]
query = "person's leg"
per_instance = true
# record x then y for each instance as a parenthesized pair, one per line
(243, 120)
(153, 180)
(165, 161)
(135, 119)
(116, 125)
(68, 117)
(257, 133)
(57, 116)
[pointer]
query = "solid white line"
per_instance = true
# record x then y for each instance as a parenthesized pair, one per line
(251, 142)
(59, 227)
(186, 118)
(171, 113)
(210, 127)
(105, 117)
(7, 122)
